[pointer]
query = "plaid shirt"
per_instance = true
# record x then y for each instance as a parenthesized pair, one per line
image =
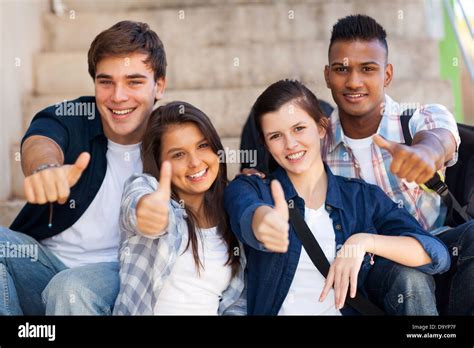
(146, 262)
(426, 207)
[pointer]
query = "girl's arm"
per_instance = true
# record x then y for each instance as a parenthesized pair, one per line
(153, 209)
(394, 221)
(270, 225)
(242, 198)
(145, 207)
(406, 251)
(397, 237)
(344, 271)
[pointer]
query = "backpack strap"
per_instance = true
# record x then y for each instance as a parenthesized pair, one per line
(436, 183)
(405, 120)
(316, 254)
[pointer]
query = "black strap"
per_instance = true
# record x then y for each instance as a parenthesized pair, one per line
(315, 253)
(435, 183)
(451, 202)
(405, 120)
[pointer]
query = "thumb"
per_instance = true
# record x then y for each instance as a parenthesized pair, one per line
(281, 206)
(384, 143)
(77, 168)
(164, 190)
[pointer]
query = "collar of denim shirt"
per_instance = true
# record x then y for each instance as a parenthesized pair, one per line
(333, 195)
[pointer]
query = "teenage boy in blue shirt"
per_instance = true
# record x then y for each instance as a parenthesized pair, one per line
(76, 156)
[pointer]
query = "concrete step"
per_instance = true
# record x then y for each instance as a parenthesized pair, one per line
(231, 147)
(247, 65)
(130, 5)
(17, 173)
(61, 73)
(228, 108)
(9, 210)
(216, 23)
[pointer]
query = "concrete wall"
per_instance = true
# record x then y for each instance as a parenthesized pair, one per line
(21, 36)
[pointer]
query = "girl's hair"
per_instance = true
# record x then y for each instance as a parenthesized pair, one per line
(280, 93)
(179, 113)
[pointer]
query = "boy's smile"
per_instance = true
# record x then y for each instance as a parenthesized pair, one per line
(125, 92)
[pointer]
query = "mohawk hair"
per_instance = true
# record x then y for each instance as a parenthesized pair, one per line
(358, 27)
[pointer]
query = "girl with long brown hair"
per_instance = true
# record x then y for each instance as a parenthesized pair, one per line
(178, 255)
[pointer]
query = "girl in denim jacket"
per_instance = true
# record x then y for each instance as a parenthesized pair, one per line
(373, 245)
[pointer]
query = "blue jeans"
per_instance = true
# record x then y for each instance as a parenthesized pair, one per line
(455, 288)
(85, 290)
(404, 291)
(401, 290)
(33, 281)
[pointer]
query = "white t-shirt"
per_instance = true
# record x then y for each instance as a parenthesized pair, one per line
(186, 292)
(361, 148)
(308, 282)
(95, 237)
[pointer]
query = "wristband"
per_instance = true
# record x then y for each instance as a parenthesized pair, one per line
(46, 166)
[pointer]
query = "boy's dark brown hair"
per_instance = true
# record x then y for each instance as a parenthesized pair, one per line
(128, 37)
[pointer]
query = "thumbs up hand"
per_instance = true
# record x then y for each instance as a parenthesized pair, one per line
(54, 184)
(270, 225)
(415, 163)
(152, 209)
(74, 171)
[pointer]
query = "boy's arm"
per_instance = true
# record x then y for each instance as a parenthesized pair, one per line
(52, 182)
(429, 152)
(38, 150)
(434, 146)
(392, 220)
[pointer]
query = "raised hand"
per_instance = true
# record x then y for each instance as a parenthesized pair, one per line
(54, 184)
(270, 225)
(153, 209)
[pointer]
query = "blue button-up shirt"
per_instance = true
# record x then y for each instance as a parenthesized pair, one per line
(353, 206)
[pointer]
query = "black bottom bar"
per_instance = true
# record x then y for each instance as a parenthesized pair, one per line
(432, 331)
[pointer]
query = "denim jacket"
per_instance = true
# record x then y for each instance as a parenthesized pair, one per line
(353, 206)
(147, 262)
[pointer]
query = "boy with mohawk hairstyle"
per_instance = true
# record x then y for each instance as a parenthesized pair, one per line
(366, 141)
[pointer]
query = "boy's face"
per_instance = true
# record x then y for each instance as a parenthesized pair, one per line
(125, 92)
(357, 75)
